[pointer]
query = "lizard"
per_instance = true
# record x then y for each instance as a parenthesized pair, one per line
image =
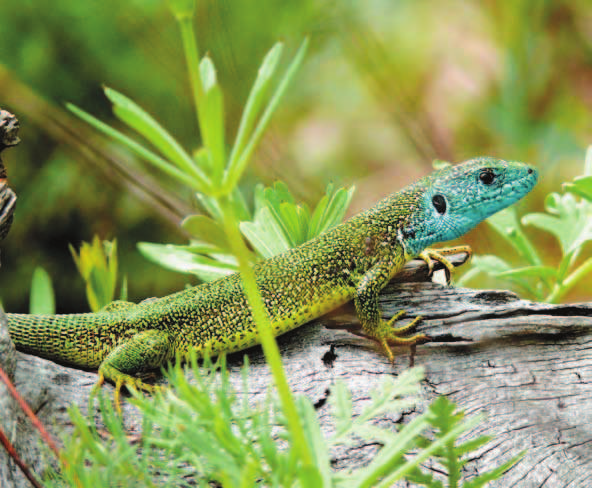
(352, 261)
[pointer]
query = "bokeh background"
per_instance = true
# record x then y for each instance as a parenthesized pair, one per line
(387, 86)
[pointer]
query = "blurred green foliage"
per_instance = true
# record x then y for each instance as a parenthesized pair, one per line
(386, 87)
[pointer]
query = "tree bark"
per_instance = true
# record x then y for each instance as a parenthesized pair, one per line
(9, 473)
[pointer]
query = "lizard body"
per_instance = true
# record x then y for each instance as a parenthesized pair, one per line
(352, 261)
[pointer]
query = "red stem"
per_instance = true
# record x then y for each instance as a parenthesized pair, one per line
(14, 455)
(34, 419)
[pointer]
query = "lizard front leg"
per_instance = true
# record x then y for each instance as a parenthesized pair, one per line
(439, 255)
(368, 310)
(145, 351)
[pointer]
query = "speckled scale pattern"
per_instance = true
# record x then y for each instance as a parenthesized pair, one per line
(352, 261)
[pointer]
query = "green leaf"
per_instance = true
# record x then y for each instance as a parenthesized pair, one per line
(206, 230)
(239, 163)
(203, 159)
(123, 292)
(581, 186)
(494, 267)
(292, 218)
(138, 119)
(568, 220)
(546, 272)
(341, 403)
(98, 291)
(211, 119)
(295, 219)
(472, 445)
(239, 205)
(42, 300)
(507, 225)
(254, 104)
(484, 478)
(489, 264)
(330, 211)
(412, 463)
(177, 258)
(182, 8)
(142, 152)
(390, 458)
(265, 234)
(406, 384)
(319, 474)
(391, 396)
(110, 249)
(97, 264)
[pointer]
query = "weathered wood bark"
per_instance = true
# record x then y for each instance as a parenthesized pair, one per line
(9, 474)
(8, 137)
(526, 364)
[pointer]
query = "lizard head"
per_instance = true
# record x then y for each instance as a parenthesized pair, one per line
(457, 198)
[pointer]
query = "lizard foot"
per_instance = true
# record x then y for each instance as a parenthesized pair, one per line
(120, 380)
(387, 336)
(431, 255)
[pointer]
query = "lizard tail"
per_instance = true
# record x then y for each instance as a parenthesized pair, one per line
(79, 340)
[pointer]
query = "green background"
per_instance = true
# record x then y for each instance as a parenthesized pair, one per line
(387, 86)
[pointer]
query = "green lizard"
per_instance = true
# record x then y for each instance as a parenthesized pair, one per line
(354, 260)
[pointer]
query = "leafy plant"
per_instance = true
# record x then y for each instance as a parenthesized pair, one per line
(279, 224)
(206, 431)
(42, 299)
(568, 218)
(97, 264)
(214, 172)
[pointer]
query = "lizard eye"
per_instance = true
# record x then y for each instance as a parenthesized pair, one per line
(439, 203)
(487, 176)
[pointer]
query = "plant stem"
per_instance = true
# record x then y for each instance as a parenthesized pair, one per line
(268, 343)
(452, 465)
(561, 289)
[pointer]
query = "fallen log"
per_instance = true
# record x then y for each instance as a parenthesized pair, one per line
(526, 364)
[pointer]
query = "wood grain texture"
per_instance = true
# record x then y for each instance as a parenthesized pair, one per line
(527, 365)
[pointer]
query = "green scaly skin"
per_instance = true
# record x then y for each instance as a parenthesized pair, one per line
(353, 261)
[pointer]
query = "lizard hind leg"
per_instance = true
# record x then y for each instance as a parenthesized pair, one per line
(393, 336)
(145, 351)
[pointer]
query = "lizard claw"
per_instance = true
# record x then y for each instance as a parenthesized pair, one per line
(387, 336)
(130, 382)
(431, 255)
